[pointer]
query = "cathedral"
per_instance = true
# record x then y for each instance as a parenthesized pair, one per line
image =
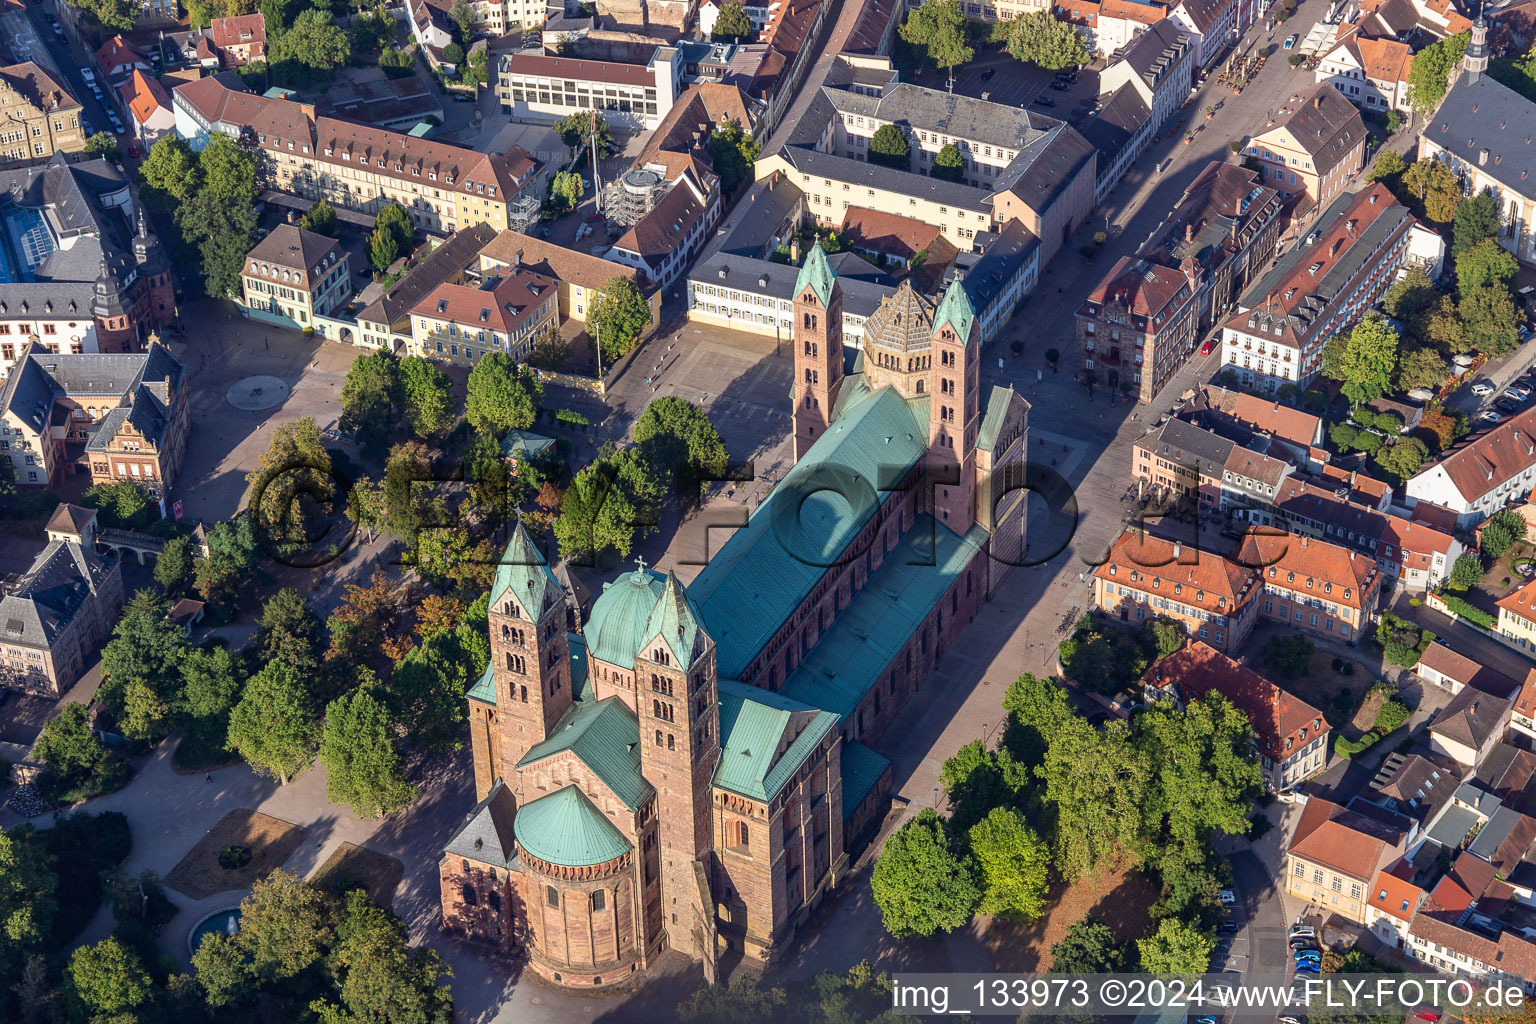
(691, 767)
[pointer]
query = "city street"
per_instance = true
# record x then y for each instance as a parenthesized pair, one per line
(65, 57)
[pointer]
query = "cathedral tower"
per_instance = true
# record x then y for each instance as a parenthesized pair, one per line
(954, 410)
(530, 659)
(1475, 61)
(679, 717)
(818, 346)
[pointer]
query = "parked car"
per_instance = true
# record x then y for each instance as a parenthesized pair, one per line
(1210, 343)
(1228, 896)
(986, 76)
(1519, 392)
(1060, 86)
(1429, 1015)
(1066, 76)
(1490, 416)
(1228, 926)
(1508, 405)
(58, 30)
(1044, 101)
(1290, 41)
(1308, 967)
(463, 97)
(1482, 388)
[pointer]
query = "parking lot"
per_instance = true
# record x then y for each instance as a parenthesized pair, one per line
(996, 76)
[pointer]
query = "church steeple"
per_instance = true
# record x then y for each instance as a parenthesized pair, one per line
(1475, 62)
(818, 347)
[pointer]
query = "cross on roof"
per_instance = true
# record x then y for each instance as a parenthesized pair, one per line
(639, 564)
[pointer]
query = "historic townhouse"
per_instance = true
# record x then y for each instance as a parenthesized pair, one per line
(1147, 577)
(61, 610)
(1209, 24)
(1316, 290)
(293, 276)
(1179, 458)
(507, 311)
(1372, 73)
(1312, 585)
(1336, 853)
(239, 40)
(1479, 477)
(580, 277)
(1315, 148)
(1523, 715)
(38, 116)
(115, 417)
(1137, 326)
(1290, 736)
(443, 187)
(1121, 21)
(690, 771)
(1157, 64)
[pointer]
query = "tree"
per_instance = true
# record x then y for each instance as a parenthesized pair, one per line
(361, 623)
(232, 557)
(426, 393)
(1485, 264)
(1166, 636)
(320, 218)
(1368, 360)
(1435, 186)
(476, 69)
(27, 898)
(369, 397)
(1288, 655)
(463, 17)
(1492, 320)
(108, 982)
(282, 926)
(380, 978)
(383, 249)
(397, 63)
(290, 632)
(1038, 38)
(1098, 782)
(976, 780)
(949, 164)
(1477, 219)
(223, 232)
(292, 484)
(372, 31)
(1421, 368)
(226, 171)
(607, 502)
(139, 666)
(1089, 947)
(173, 569)
(618, 316)
(889, 147)
(211, 680)
(274, 15)
(453, 54)
(310, 50)
(733, 154)
(222, 971)
(566, 187)
(675, 434)
(104, 145)
(426, 694)
(938, 28)
(575, 130)
(273, 726)
(502, 395)
(1037, 709)
(1177, 947)
(1430, 69)
(1403, 458)
(1388, 168)
(122, 504)
(363, 765)
(920, 885)
(1014, 863)
(732, 24)
(1500, 533)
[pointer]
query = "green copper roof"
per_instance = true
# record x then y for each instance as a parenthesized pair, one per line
(861, 770)
(816, 274)
(956, 310)
(564, 828)
(484, 689)
(753, 724)
(992, 420)
(768, 567)
(605, 736)
(581, 687)
(524, 443)
(871, 631)
(621, 616)
(675, 620)
(524, 571)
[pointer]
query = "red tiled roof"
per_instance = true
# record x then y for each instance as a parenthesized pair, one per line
(662, 231)
(1485, 462)
(510, 248)
(1297, 562)
(1334, 836)
(1522, 603)
(1394, 896)
(1464, 670)
(1145, 13)
(894, 234)
(118, 52)
(1472, 874)
(1158, 566)
(1525, 703)
(144, 96)
(1281, 721)
(513, 300)
(243, 30)
(1147, 289)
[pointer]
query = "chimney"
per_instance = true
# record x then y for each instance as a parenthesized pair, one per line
(1482, 157)
(1189, 232)
(1317, 102)
(1177, 548)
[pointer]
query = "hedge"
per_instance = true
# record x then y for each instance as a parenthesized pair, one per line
(1476, 616)
(1349, 748)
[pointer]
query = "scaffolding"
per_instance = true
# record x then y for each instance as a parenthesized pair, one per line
(522, 213)
(631, 196)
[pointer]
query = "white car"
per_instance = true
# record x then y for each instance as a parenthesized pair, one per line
(1490, 416)
(1228, 896)
(1519, 392)
(1482, 390)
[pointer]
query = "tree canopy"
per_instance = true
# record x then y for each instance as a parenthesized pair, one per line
(1477, 218)
(1089, 947)
(363, 765)
(618, 316)
(309, 51)
(920, 884)
(938, 28)
(1485, 264)
(1430, 69)
(1433, 184)
(1177, 947)
(1039, 38)
(273, 726)
(732, 24)
(732, 152)
(1368, 361)
(889, 146)
(1014, 864)
(502, 395)
(320, 218)
(949, 164)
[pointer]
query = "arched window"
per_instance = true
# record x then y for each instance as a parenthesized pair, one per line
(551, 896)
(658, 737)
(470, 898)
(656, 708)
(745, 835)
(493, 898)
(599, 899)
(671, 742)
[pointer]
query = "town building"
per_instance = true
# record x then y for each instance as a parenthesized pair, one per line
(1336, 853)
(534, 85)
(1082, 15)
(1480, 132)
(293, 276)
(1157, 64)
(386, 321)
(111, 417)
(239, 40)
(1313, 586)
(580, 277)
(1454, 672)
(704, 750)
(1180, 459)
(1483, 474)
(1517, 617)
(400, 104)
(1137, 326)
(1522, 717)
(61, 610)
(1319, 288)
(664, 239)
(508, 311)
(149, 108)
(38, 116)
(1290, 736)
(86, 276)
(1121, 21)
(1211, 26)
(1119, 132)
(1472, 724)
(1243, 416)
(1394, 899)
(1314, 150)
(1212, 597)
(355, 167)
(1370, 72)
(118, 59)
